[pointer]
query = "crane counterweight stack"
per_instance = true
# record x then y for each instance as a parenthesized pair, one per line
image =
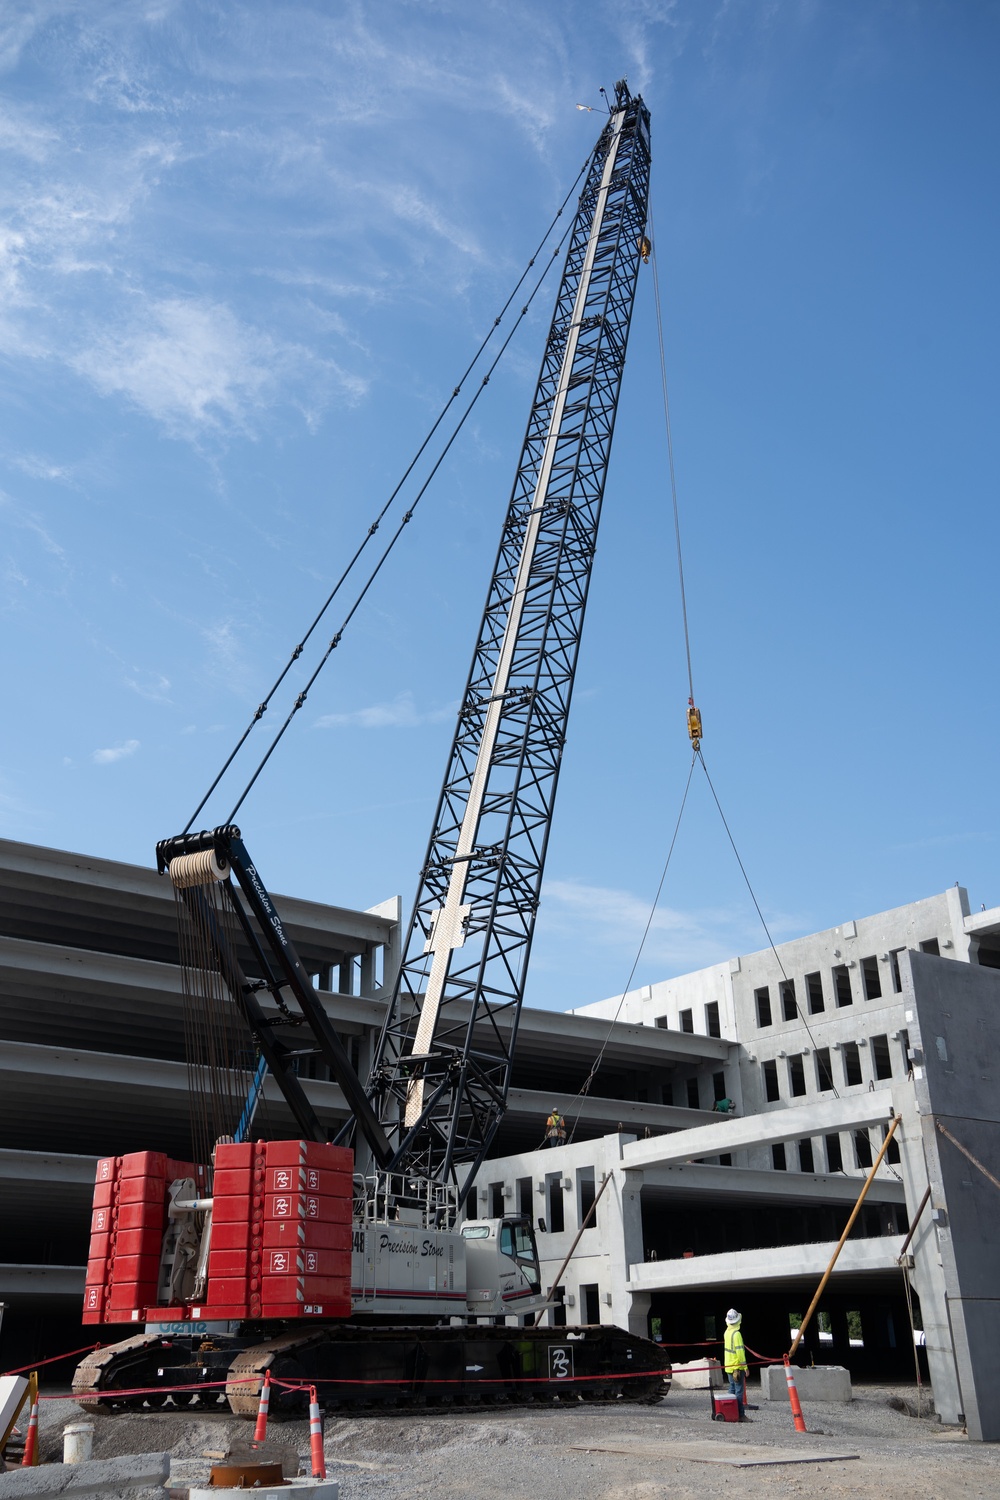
(386, 1251)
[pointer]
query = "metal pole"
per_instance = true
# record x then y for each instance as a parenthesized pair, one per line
(968, 1154)
(916, 1220)
(840, 1243)
(579, 1233)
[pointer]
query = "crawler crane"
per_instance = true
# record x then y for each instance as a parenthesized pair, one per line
(349, 1264)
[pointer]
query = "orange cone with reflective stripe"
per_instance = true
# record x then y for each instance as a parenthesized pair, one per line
(793, 1397)
(316, 1436)
(260, 1431)
(30, 1458)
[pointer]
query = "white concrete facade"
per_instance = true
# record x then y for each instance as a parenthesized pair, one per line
(830, 1036)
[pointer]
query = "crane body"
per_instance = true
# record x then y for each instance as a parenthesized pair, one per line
(349, 1262)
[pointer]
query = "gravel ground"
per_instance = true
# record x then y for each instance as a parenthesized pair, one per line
(536, 1454)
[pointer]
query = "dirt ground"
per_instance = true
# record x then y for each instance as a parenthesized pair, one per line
(556, 1453)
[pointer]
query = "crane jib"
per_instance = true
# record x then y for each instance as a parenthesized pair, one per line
(448, 929)
(443, 1062)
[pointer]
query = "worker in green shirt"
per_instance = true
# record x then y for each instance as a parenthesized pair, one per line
(736, 1361)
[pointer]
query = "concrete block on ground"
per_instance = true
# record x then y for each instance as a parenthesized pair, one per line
(108, 1477)
(697, 1375)
(813, 1383)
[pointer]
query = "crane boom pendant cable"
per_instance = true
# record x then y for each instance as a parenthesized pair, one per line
(373, 528)
(407, 517)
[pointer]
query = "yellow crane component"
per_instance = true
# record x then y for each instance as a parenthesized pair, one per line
(694, 724)
(645, 249)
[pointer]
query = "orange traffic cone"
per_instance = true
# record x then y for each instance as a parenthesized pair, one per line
(260, 1431)
(793, 1397)
(30, 1458)
(316, 1436)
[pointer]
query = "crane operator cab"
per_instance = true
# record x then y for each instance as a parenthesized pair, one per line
(501, 1267)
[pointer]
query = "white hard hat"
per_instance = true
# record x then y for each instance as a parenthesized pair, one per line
(732, 1316)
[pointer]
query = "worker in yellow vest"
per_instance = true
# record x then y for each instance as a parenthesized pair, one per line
(555, 1129)
(736, 1361)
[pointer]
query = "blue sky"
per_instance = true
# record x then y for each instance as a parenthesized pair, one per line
(246, 250)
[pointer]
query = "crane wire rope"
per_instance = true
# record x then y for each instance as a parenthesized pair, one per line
(406, 518)
(670, 459)
(373, 528)
(584, 1088)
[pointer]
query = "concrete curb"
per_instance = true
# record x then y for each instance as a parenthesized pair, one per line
(99, 1476)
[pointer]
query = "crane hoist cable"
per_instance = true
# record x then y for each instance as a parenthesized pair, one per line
(373, 528)
(584, 1088)
(406, 518)
(693, 713)
(694, 724)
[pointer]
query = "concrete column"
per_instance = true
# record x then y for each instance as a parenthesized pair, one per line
(927, 1274)
(623, 1240)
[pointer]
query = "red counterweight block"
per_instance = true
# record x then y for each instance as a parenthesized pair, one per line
(103, 1230)
(308, 1205)
(237, 1207)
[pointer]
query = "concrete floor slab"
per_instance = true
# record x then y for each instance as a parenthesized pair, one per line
(742, 1457)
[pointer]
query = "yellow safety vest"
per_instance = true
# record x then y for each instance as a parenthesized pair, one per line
(736, 1357)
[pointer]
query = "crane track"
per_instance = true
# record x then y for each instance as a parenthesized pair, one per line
(377, 1369)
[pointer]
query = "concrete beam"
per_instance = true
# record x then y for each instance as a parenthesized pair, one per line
(42, 1166)
(136, 1473)
(768, 1186)
(41, 1281)
(746, 1268)
(595, 1110)
(819, 1117)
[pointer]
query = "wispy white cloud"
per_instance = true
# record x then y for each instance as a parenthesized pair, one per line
(114, 753)
(25, 519)
(151, 685)
(185, 362)
(401, 713)
(609, 919)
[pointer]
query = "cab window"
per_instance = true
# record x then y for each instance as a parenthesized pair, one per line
(507, 1241)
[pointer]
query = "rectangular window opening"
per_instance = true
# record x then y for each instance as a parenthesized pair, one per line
(686, 1019)
(931, 945)
(789, 1004)
(842, 985)
(892, 1154)
(587, 1192)
(763, 999)
(871, 978)
(834, 1155)
(693, 1098)
(590, 1302)
(814, 989)
(663, 1022)
(863, 1148)
(496, 1200)
(778, 1157)
(719, 1086)
(852, 1064)
(772, 1092)
(897, 980)
(806, 1156)
(824, 1073)
(797, 1075)
(712, 1022)
(554, 1194)
(524, 1199)
(881, 1056)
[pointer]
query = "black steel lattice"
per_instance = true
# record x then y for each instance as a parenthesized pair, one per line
(441, 1089)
